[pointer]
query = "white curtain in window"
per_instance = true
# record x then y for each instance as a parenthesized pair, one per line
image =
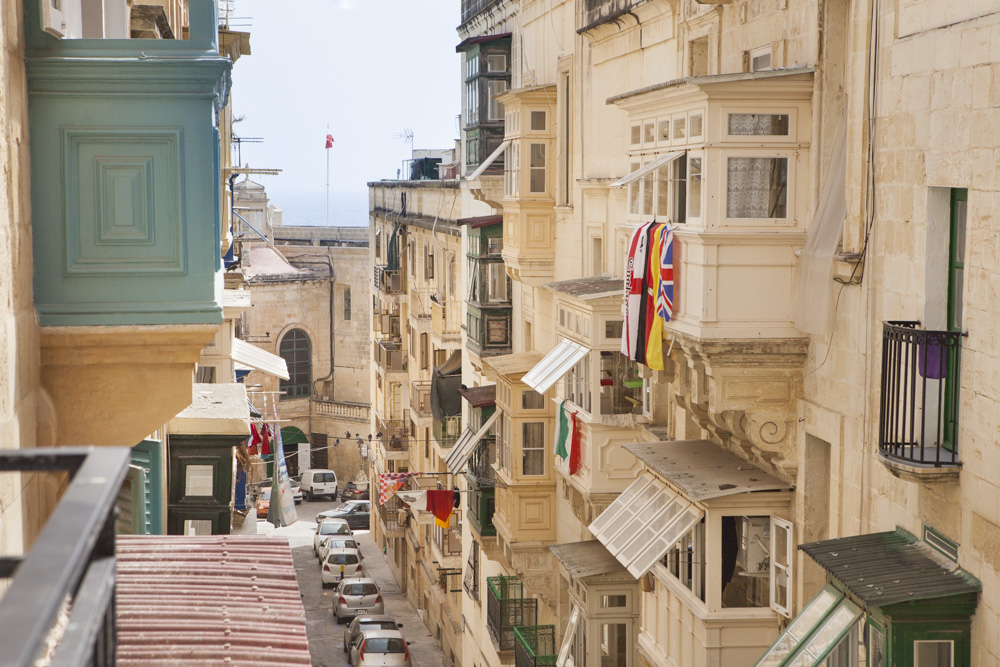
(756, 187)
(814, 312)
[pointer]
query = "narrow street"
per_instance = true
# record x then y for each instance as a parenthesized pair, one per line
(326, 637)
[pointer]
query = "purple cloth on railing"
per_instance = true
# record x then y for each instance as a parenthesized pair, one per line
(932, 360)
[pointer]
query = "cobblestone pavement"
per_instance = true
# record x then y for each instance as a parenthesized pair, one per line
(326, 638)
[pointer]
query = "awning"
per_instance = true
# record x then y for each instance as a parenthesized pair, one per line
(554, 365)
(445, 381)
(814, 632)
(641, 525)
(479, 397)
(488, 161)
(478, 221)
(258, 359)
(460, 453)
(586, 559)
(704, 470)
(646, 168)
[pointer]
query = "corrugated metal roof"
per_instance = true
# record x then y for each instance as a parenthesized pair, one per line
(586, 289)
(703, 469)
(885, 568)
(227, 599)
(480, 221)
(585, 559)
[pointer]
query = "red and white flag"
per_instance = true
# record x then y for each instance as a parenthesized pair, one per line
(329, 141)
(391, 482)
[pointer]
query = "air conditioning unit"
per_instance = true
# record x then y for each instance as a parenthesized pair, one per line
(755, 540)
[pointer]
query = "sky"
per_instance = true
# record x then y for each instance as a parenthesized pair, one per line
(368, 69)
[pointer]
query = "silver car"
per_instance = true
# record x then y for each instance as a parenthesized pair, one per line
(337, 527)
(380, 647)
(366, 623)
(354, 597)
(328, 542)
(341, 564)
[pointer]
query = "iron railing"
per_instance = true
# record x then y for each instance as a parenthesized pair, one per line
(481, 462)
(535, 646)
(921, 372)
(73, 559)
(506, 609)
(389, 281)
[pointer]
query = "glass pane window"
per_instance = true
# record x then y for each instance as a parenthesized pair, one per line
(296, 350)
(532, 400)
(578, 384)
(497, 331)
(471, 150)
(694, 125)
(496, 282)
(538, 121)
(495, 87)
(647, 193)
(614, 644)
(633, 192)
(680, 128)
(197, 526)
(199, 480)
(686, 560)
(757, 187)
(472, 102)
(649, 132)
(758, 124)
(745, 561)
(533, 448)
(537, 167)
(621, 386)
(664, 130)
(694, 187)
(494, 245)
(496, 62)
(933, 653)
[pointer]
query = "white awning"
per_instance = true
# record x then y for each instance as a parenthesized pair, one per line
(646, 168)
(817, 629)
(462, 450)
(641, 525)
(554, 365)
(261, 360)
(490, 160)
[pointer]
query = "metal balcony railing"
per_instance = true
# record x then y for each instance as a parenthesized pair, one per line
(506, 609)
(390, 355)
(420, 398)
(447, 430)
(481, 462)
(389, 281)
(73, 559)
(535, 645)
(921, 373)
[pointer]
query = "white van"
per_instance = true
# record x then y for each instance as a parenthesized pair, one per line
(319, 482)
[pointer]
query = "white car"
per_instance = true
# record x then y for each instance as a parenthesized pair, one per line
(330, 527)
(341, 564)
(328, 542)
(380, 647)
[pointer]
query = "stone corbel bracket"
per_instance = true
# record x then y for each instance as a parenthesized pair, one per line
(745, 393)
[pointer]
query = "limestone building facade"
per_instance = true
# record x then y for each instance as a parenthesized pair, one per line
(825, 387)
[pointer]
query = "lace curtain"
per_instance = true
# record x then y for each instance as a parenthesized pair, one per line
(757, 187)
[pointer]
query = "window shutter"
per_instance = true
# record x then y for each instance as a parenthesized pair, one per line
(782, 552)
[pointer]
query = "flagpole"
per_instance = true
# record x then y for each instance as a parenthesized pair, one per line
(328, 180)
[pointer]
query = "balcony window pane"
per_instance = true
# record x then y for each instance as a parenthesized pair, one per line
(680, 128)
(663, 190)
(633, 192)
(647, 193)
(198, 480)
(933, 653)
(494, 245)
(757, 187)
(664, 130)
(197, 526)
(533, 448)
(694, 125)
(497, 331)
(537, 167)
(495, 87)
(694, 188)
(614, 643)
(496, 282)
(472, 102)
(496, 62)
(758, 124)
(578, 384)
(649, 133)
(532, 400)
(538, 121)
(636, 136)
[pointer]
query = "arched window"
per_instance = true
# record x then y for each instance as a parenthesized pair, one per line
(296, 350)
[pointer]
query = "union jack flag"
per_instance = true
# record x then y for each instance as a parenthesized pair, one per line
(390, 482)
(665, 295)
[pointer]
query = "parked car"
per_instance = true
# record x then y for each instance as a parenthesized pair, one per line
(317, 482)
(356, 513)
(330, 527)
(365, 623)
(263, 502)
(328, 542)
(354, 597)
(380, 647)
(355, 491)
(341, 564)
(266, 484)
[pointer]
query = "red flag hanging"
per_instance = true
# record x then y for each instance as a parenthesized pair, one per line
(329, 141)
(440, 504)
(574, 451)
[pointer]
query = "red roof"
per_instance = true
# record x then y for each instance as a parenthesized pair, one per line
(219, 600)
(480, 221)
(479, 397)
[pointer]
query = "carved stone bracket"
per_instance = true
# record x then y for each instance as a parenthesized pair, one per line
(535, 568)
(745, 393)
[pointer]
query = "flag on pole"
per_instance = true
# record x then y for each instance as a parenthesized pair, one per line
(391, 482)
(329, 141)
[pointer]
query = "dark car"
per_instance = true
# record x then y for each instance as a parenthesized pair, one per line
(353, 492)
(356, 513)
